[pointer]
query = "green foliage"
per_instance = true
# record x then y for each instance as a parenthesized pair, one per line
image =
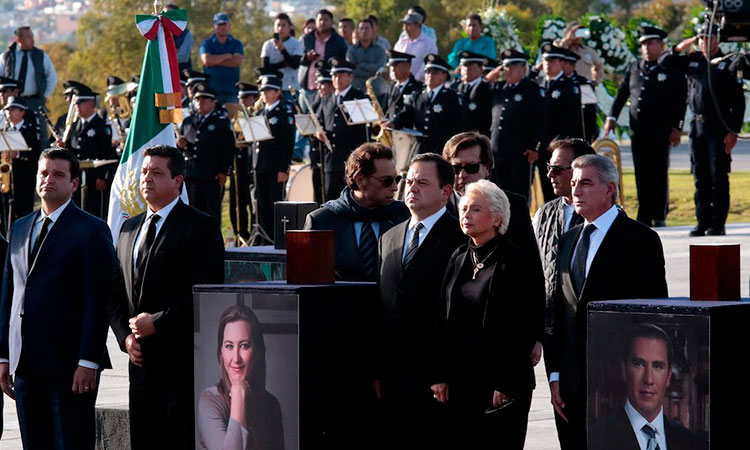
(569, 9)
(668, 13)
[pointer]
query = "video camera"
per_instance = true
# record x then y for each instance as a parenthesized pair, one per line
(732, 17)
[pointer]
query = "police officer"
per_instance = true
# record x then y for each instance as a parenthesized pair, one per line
(274, 156)
(474, 90)
(207, 143)
(344, 138)
(20, 201)
(192, 79)
(711, 142)
(589, 128)
(242, 171)
(403, 85)
(325, 89)
(657, 108)
(563, 99)
(518, 111)
(117, 89)
(91, 138)
(436, 111)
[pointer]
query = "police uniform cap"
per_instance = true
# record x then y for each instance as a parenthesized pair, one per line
(192, 77)
(570, 55)
(550, 51)
(467, 57)
(6, 83)
(16, 102)
(646, 32)
(339, 65)
(513, 56)
(395, 57)
(203, 90)
(246, 89)
(270, 82)
(83, 92)
(433, 61)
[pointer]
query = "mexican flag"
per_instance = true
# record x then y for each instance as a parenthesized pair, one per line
(157, 109)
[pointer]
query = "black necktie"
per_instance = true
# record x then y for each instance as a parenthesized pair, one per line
(411, 250)
(575, 220)
(24, 68)
(143, 252)
(650, 433)
(579, 260)
(39, 240)
(368, 251)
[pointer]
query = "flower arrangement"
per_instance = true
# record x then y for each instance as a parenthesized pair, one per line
(501, 27)
(609, 41)
(548, 28)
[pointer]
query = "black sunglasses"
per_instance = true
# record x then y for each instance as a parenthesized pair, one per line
(557, 170)
(388, 180)
(469, 168)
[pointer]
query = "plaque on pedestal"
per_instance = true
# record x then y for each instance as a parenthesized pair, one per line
(715, 272)
(674, 362)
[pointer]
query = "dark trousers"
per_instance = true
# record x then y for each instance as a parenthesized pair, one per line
(239, 203)
(572, 434)
(317, 177)
(710, 166)
(472, 428)
(51, 416)
(267, 192)
(414, 421)
(161, 414)
(513, 175)
(651, 162)
(334, 185)
(206, 195)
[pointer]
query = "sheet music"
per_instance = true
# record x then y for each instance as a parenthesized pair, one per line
(305, 125)
(588, 96)
(13, 141)
(255, 129)
(360, 111)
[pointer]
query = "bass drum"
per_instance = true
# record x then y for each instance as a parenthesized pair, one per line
(299, 188)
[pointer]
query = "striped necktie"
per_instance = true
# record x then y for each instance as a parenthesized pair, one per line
(368, 251)
(411, 250)
(650, 433)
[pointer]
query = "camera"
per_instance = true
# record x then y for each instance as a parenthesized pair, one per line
(585, 33)
(276, 36)
(732, 17)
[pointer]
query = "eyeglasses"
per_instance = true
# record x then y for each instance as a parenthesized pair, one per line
(388, 180)
(469, 168)
(557, 170)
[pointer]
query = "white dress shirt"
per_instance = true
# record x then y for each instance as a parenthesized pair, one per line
(432, 93)
(602, 224)
(270, 107)
(637, 421)
(163, 213)
(427, 225)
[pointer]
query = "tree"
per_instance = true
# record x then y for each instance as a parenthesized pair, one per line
(569, 9)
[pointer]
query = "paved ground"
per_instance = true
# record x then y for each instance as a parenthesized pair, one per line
(680, 155)
(541, 434)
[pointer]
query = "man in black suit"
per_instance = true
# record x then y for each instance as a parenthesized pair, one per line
(56, 286)
(403, 87)
(364, 212)
(598, 260)
(475, 92)
(413, 258)
(435, 112)
(344, 138)
(163, 253)
(647, 368)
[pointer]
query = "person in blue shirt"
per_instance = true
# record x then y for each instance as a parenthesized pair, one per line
(475, 42)
(222, 56)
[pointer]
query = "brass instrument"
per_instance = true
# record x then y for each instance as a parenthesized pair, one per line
(6, 162)
(50, 125)
(379, 132)
(70, 119)
(610, 149)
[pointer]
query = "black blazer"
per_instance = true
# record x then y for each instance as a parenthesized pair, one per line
(518, 119)
(188, 250)
(275, 155)
(440, 119)
(616, 433)
(508, 326)
(61, 299)
(408, 298)
(395, 98)
(348, 261)
(344, 138)
(336, 46)
(477, 106)
(563, 99)
(629, 264)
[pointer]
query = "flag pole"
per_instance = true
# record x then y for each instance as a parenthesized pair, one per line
(157, 7)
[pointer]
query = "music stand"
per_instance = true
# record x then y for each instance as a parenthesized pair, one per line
(254, 130)
(305, 124)
(10, 141)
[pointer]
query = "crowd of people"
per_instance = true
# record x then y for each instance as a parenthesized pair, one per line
(473, 292)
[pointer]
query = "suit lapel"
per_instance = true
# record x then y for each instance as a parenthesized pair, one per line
(449, 286)
(57, 229)
(25, 229)
(129, 248)
(432, 240)
(164, 234)
(396, 246)
(603, 252)
(566, 266)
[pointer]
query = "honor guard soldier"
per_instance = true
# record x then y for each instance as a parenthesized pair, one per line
(657, 108)
(436, 111)
(20, 200)
(325, 89)
(589, 128)
(403, 87)
(344, 138)
(274, 156)
(518, 111)
(711, 143)
(242, 170)
(207, 143)
(474, 90)
(91, 138)
(192, 79)
(563, 109)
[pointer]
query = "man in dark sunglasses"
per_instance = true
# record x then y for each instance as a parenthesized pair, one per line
(364, 211)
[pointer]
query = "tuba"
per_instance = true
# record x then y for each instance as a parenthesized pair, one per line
(610, 149)
(379, 132)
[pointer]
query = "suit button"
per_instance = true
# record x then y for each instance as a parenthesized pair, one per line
(198, 132)
(639, 98)
(499, 128)
(426, 119)
(643, 88)
(426, 127)
(196, 140)
(333, 134)
(645, 78)
(639, 110)
(506, 100)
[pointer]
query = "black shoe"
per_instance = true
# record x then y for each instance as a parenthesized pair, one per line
(716, 231)
(698, 231)
(659, 223)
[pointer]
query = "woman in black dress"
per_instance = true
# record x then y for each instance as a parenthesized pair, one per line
(485, 328)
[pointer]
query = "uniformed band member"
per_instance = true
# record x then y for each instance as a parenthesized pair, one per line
(207, 143)
(325, 89)
(8, 88)
(20, 201)
(563, 108)
(403, 85)
(274, 156)
(117, 89)
(343, 138)
(589, 128)
(436, 111)
(657, 109)
(192, 79)
(474, 90)
(242, 170)
(68, 91)
(91, 138)
(518, 118)
(711, 143)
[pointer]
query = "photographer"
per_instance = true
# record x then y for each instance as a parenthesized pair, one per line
(590, 65)
(282, 53)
